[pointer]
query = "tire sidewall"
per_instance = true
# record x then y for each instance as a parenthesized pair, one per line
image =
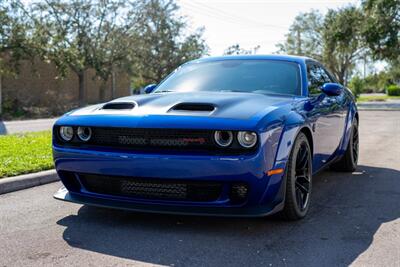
(291, 179)
(351, 143)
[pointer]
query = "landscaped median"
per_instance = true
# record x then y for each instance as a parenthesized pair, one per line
(25, 161)
(376, 98)
(25, 153)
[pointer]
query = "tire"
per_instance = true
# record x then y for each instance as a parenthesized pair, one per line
(298, 180)
(348, 162)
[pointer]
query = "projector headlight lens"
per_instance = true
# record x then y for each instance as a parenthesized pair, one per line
(247, 139)
(66, 133)
(84, 133)
(223, 138)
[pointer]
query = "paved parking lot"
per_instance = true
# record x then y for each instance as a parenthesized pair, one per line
(354, 219)
(11, 127)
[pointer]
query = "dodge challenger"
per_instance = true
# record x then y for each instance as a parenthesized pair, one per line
(229, 136)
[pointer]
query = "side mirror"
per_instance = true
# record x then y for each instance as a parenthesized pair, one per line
(149, 88)
(332, 89)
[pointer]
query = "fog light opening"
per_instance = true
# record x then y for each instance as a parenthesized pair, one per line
(239, 193)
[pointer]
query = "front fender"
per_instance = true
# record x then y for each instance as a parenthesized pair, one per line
(291, 127)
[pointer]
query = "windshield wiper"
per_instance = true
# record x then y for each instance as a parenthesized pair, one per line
(163, 91)
(234, 91)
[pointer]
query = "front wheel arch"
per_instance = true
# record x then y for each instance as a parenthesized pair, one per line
(290, 211)
(309, 136)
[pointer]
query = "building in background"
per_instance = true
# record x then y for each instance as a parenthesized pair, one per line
(39, 91)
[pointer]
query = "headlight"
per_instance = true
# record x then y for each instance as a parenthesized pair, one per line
(247, 139)
(223, 138)
(66, 133)
(84, 133)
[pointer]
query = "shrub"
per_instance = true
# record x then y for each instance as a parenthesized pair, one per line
(357, 85)
(393, 90)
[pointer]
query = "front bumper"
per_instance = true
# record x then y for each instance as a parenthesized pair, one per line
(250, 211)
(265, 194)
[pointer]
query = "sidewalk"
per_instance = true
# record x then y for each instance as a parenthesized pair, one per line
(10, 127)
(390, 104)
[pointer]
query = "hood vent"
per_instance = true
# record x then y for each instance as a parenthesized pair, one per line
(119, 106)
(193, 107)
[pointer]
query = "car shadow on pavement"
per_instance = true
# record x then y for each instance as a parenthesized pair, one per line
(347, 211)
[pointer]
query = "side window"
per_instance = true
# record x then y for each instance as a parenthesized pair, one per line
(317, 76)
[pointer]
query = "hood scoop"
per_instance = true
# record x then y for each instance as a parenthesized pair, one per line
(118, 106)
(193, 107)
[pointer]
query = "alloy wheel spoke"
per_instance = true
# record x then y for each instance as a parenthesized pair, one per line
(303, 162)
(302, 177)
(299, 198)
(303, 187)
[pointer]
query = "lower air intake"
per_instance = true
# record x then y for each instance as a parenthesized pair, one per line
(152, 188)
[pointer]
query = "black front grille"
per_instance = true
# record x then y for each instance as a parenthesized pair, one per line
(147, 138)
(150, 137)
(152, 188)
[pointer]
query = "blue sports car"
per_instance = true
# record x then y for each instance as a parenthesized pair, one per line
(232, 136)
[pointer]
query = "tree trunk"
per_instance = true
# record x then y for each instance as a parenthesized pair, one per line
(113, 85)
(81, 94)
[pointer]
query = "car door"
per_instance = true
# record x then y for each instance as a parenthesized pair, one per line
(324, 114)
(340, 105)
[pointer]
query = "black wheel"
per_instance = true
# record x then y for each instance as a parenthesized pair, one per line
(348, 162)
(298, 180)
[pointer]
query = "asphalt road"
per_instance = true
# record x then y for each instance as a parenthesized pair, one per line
(354, 219)
(10, 127)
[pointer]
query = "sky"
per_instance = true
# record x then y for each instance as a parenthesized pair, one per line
(249, 23)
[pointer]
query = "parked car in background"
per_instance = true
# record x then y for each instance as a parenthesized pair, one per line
(234, 136)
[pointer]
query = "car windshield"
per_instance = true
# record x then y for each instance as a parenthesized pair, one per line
(257, 76)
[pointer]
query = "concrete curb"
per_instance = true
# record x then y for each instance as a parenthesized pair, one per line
(378, 109)
(25, 181)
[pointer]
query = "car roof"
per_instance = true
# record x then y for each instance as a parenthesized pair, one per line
(297, 59)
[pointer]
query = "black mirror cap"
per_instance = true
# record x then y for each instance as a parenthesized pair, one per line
(332, 89)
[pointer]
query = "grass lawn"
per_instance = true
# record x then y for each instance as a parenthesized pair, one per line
(25, 153)
(367, 98)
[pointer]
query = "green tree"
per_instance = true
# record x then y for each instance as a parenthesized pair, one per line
(79, 35)
(237, 50)
(305, 36)
(15, 44)
(356, 85)
(163, 44)
(335, 39)
(342, 41)
(382, 28)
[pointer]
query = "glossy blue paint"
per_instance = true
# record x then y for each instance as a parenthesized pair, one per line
(150, 88)
(277, 119)
(332, 89)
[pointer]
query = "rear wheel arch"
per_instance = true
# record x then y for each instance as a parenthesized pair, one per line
(356, 117)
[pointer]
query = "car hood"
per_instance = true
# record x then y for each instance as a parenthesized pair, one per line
(209, 104)
(181, 110)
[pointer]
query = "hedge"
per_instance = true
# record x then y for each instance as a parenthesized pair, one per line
(393, 90)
